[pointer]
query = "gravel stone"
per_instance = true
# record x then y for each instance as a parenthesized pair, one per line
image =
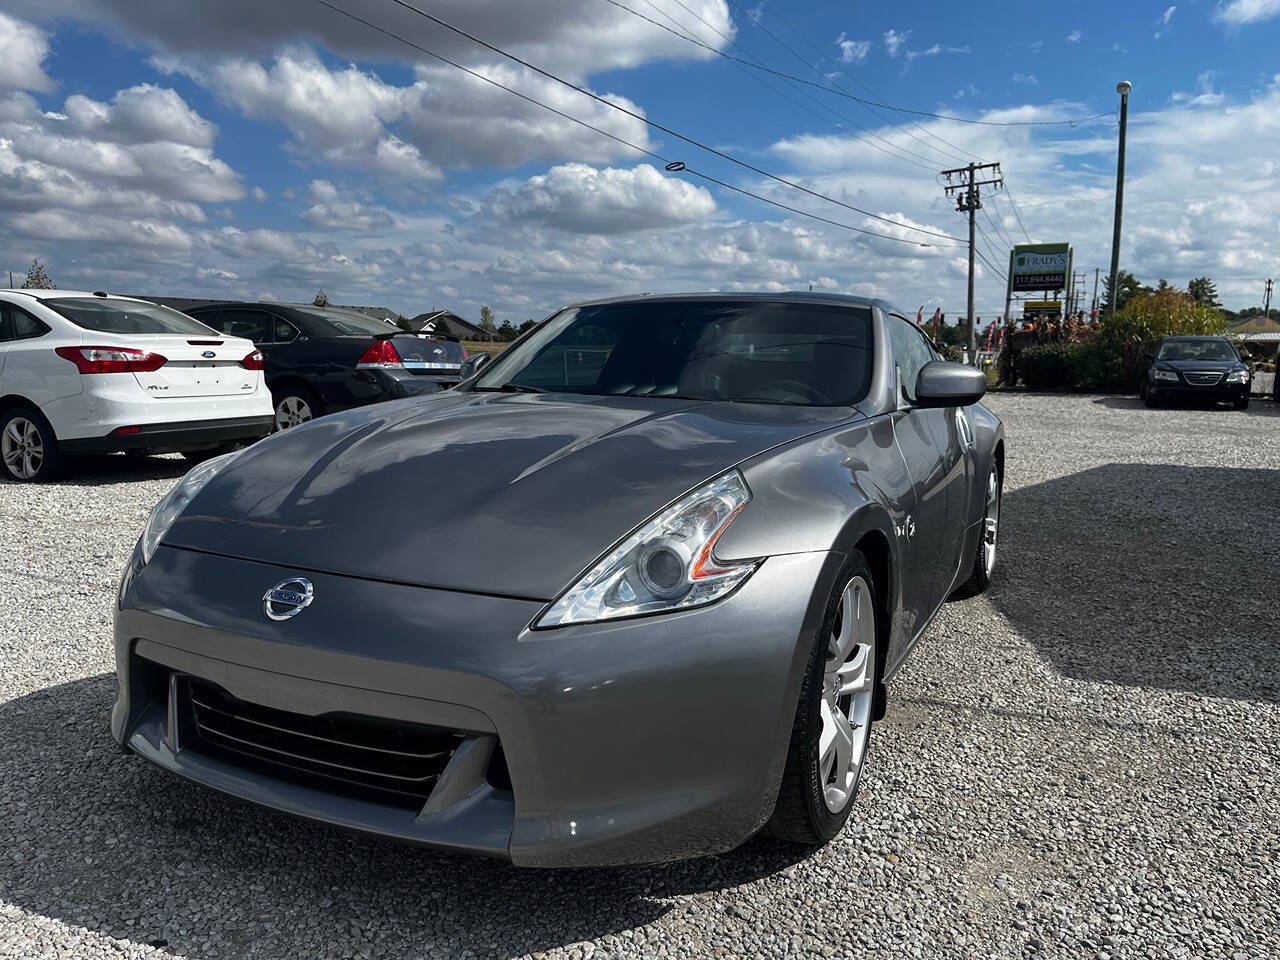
(1081, 763)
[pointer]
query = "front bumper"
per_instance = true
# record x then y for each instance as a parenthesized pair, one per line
(173, 437)
(1218, 393)
(637, 741)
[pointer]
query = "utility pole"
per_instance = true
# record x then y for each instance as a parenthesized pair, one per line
(1122, 88)
(1266, 308)
(1093, 313)
(968, 196)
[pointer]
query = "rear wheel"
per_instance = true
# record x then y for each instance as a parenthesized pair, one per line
(296, 404)
(833, 718)
(28, 447)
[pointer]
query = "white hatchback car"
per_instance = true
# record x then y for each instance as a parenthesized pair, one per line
(84, 373)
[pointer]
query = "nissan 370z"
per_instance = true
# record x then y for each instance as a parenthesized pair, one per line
(677, 546)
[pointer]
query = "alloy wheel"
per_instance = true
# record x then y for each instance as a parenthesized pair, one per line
(991, 524)
(22, 448)
(847, 694)
(292, 411)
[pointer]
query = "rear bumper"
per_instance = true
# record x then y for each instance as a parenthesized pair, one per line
(639, 741)
(172, 437)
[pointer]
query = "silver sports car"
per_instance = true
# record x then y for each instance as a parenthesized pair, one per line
(632, 592)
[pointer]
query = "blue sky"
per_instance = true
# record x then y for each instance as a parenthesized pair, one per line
(250, 150)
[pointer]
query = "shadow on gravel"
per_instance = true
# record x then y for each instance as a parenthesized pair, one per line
(102, 840)
(105, 469)
(1258, 406)
(1148, 575)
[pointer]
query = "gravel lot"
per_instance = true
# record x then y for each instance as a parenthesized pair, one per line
(1083, 763)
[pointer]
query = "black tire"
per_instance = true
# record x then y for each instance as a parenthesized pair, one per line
(1241, 404)
(801, 814)
(50, 462)
(980, 577)
(1152, 403)
(295, 392)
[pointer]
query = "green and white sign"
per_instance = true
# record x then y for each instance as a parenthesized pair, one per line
(1039, 267)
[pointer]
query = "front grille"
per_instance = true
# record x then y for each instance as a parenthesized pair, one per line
(1203, 378)
(381, 761)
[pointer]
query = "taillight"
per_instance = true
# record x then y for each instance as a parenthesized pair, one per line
(381, 353)
(111, 359)
(252, 361)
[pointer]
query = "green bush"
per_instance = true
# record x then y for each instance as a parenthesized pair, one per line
(1045, 367)
(1137, 327)
(1098, 365)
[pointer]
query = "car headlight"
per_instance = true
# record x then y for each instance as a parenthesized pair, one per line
(1160, 374)
(169, 509)
(667, 564)
(1238, 376)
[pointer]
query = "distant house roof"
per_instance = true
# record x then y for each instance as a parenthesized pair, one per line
(1272, 336)
(454, 324)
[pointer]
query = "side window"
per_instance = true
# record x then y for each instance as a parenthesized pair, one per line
(910, 353)
(285, 332)
(20, 325)
(253, 325)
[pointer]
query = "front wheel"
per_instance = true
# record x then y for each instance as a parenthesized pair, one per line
(984, 564)
(833, 718)
(1241, 404)
(28, 447)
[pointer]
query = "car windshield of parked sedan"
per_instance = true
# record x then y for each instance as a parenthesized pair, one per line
(1196, 350)
(750, 351)
(105, 315)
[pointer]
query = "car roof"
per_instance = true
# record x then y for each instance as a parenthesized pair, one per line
(787, 296)
(56, 294)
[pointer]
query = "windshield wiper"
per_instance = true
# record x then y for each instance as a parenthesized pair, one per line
(510, 388)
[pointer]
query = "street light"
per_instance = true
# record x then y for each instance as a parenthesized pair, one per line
(1122, 88)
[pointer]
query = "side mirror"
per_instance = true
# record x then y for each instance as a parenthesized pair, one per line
(942, 383)
(473, 364)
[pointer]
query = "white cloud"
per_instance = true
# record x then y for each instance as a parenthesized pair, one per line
(852, 51)
(139, 115)
(586, 200)
(1240, 12)
(1028, 79)
(1165, 22)
(332, 209)
(258, 194)
(1075, 36)
(1204, 96)
(893, 41)
(936, 49)
(23, 47)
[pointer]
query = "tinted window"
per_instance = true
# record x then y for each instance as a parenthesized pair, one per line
(252, 325)
(284, 331)
(910, 353)
(105, 315)
(749, 351)
(350, 324)
(1196, 350)
(23, 326)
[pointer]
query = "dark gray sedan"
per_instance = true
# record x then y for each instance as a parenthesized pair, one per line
(676, 547)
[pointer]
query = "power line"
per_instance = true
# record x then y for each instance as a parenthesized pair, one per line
(923, 163)
(653, 123)
(671, 165)
(1013, 203)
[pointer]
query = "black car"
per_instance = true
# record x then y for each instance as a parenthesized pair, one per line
(1196, 368)
(319, 360)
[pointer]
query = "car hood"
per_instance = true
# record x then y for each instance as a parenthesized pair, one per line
(511, 494)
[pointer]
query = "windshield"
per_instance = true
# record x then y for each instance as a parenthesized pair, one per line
(105, 315)
(750, 351)
(1196, 350)
(352, 324)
